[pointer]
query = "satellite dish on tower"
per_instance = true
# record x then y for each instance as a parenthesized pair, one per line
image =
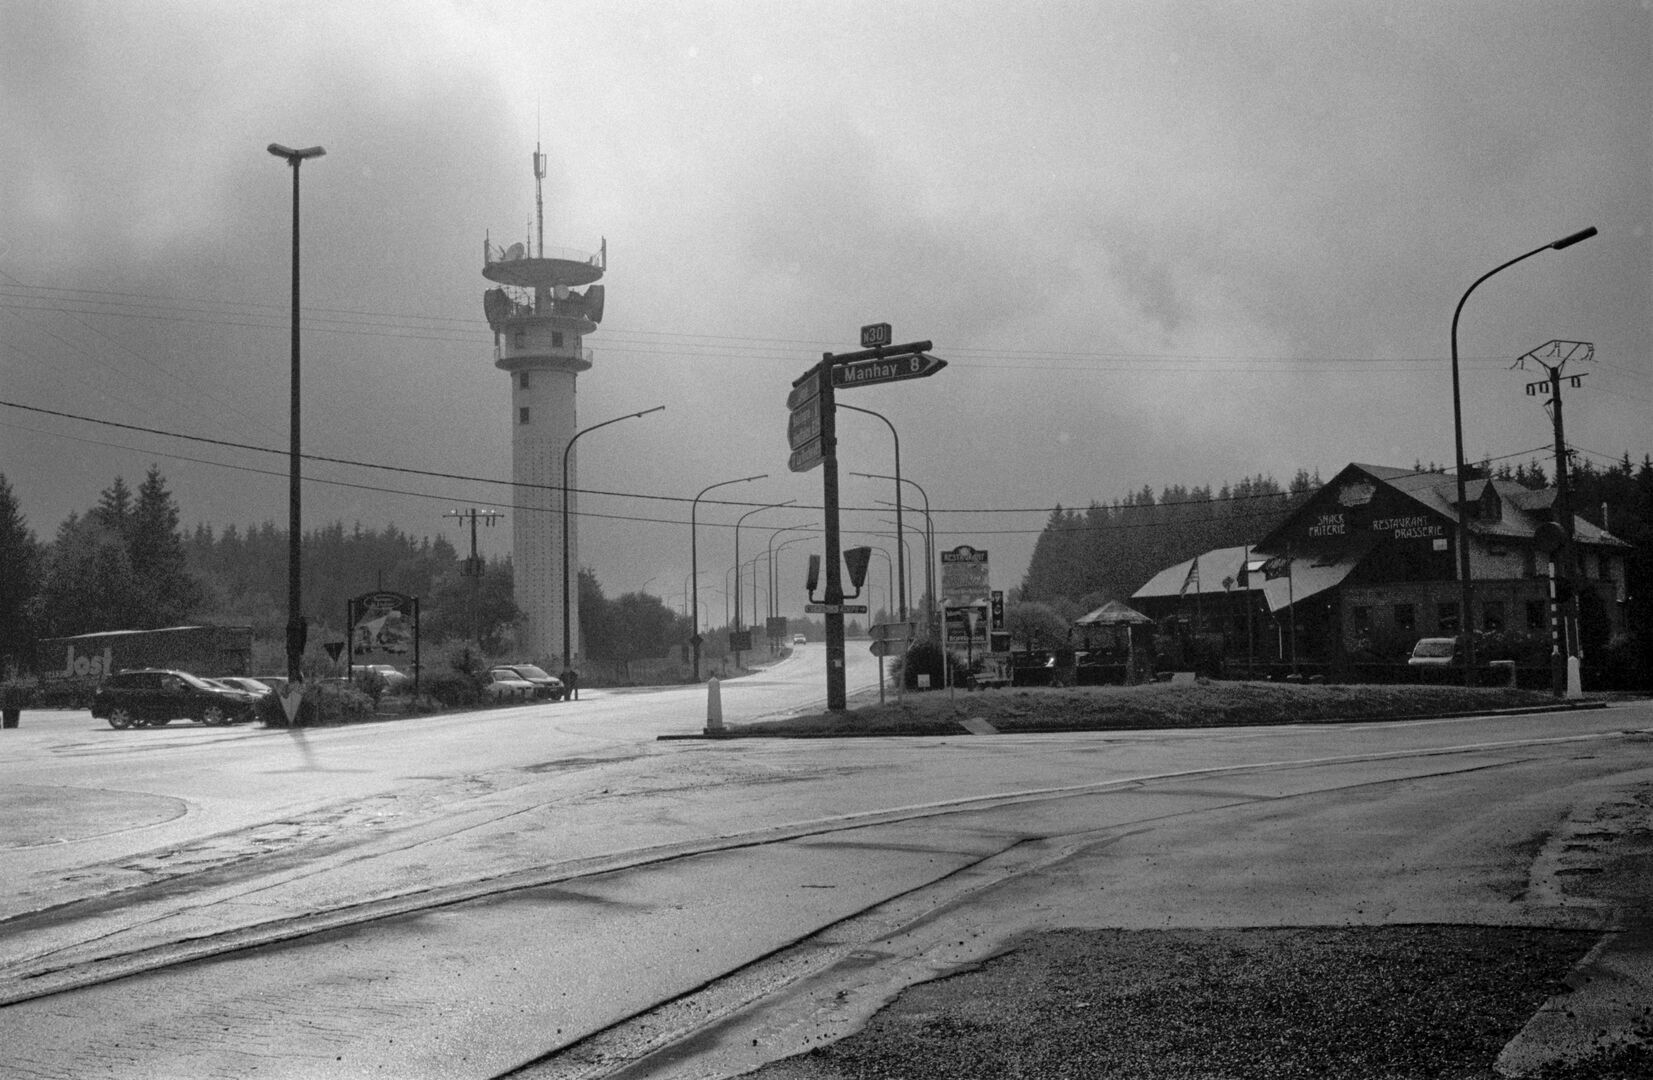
(513, 253)
(496, 305)
(594, 303)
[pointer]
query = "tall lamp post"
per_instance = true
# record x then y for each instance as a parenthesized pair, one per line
(774, 605)
(567, 634)
(929, 550)
(694, 561)
(1466, 620)
(738, 522)
(901, 562)
(295, 620)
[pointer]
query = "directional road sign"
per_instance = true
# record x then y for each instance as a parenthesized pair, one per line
(804, 424)
(866, 372)
(805, 388)
(807, 456)
(876, 334)
(836, 609)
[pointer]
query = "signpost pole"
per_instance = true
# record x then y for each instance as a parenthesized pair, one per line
(836, 697)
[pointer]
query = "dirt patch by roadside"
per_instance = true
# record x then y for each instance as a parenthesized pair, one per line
(1396, 1002)
(1157, 705)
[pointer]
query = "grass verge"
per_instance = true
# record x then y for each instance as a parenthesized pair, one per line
(1157, 705)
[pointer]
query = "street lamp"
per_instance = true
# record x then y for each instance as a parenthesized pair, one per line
(929, 551)
(774, 605)
(901, 563)
(295, 621)
(694, 561)
(774, 572)
(1466, 621)
(567, 635)
(738, 521)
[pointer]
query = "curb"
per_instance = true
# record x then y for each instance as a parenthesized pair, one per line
(726, 733)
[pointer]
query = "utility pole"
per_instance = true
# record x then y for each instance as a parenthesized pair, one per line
(473, 565)
(1565, 651)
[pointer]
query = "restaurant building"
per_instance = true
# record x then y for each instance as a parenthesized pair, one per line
(1368, 564)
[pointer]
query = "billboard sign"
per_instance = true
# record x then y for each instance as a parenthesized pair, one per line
(384, 628)
(964, 578)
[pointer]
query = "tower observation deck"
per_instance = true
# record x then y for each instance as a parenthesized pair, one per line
(540, 319)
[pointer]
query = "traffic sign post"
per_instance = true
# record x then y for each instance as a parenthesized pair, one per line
(812, 435)
(918, 365)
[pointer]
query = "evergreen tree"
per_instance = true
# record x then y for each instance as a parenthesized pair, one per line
(20, 560)
(169, 593)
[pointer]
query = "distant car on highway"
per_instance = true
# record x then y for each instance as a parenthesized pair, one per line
(799, 639)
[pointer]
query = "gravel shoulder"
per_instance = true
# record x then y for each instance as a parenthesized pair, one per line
(1360, 1002)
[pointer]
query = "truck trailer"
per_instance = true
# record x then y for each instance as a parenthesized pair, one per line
(71, 667)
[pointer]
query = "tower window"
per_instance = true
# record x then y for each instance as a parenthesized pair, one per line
(520, 338)
(522, 379)
(556, 339)
(522, 415)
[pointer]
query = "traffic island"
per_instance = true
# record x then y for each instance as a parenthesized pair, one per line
(1153, 706)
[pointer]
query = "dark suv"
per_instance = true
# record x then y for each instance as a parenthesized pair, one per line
(154, 698)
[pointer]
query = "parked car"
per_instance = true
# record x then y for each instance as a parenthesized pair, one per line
(504, 684)
(255, 687)
(154, 697)
(396, 681)
(1436, 652)
(546, 685)
(278, 683)
(799, 639)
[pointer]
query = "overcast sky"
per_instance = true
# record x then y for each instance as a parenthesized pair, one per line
(1157, 242)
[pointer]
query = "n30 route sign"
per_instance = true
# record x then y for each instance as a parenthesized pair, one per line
(918, 365)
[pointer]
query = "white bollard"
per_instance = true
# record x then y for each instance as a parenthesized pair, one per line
(714, 706)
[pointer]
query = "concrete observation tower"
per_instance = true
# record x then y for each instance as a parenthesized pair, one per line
(539, 323)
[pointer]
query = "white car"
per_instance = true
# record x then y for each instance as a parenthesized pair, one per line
(503, 684)
(395, 681)
(799, 639)
(1437, 652)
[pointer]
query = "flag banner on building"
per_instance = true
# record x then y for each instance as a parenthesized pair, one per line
(1277, 567)
(1192, 580)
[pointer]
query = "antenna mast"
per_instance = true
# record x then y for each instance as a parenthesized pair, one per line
(539, 198)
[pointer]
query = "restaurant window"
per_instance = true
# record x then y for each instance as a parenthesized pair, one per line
(1492, 615)
(522, 415)
(1538, 614)
(1361, 618)
(1406, 617)
(556, 339)
(1446, 617)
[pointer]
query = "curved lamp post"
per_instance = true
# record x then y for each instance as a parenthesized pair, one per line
(694, 560)
(774, 575)
(929, 550)
(1466, 622)
(738, 522)
(567, 635)
(774, 605)
(295, 620)
(901, 563)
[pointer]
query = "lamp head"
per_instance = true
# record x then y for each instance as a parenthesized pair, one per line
(295, 156)
(1569, 241)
